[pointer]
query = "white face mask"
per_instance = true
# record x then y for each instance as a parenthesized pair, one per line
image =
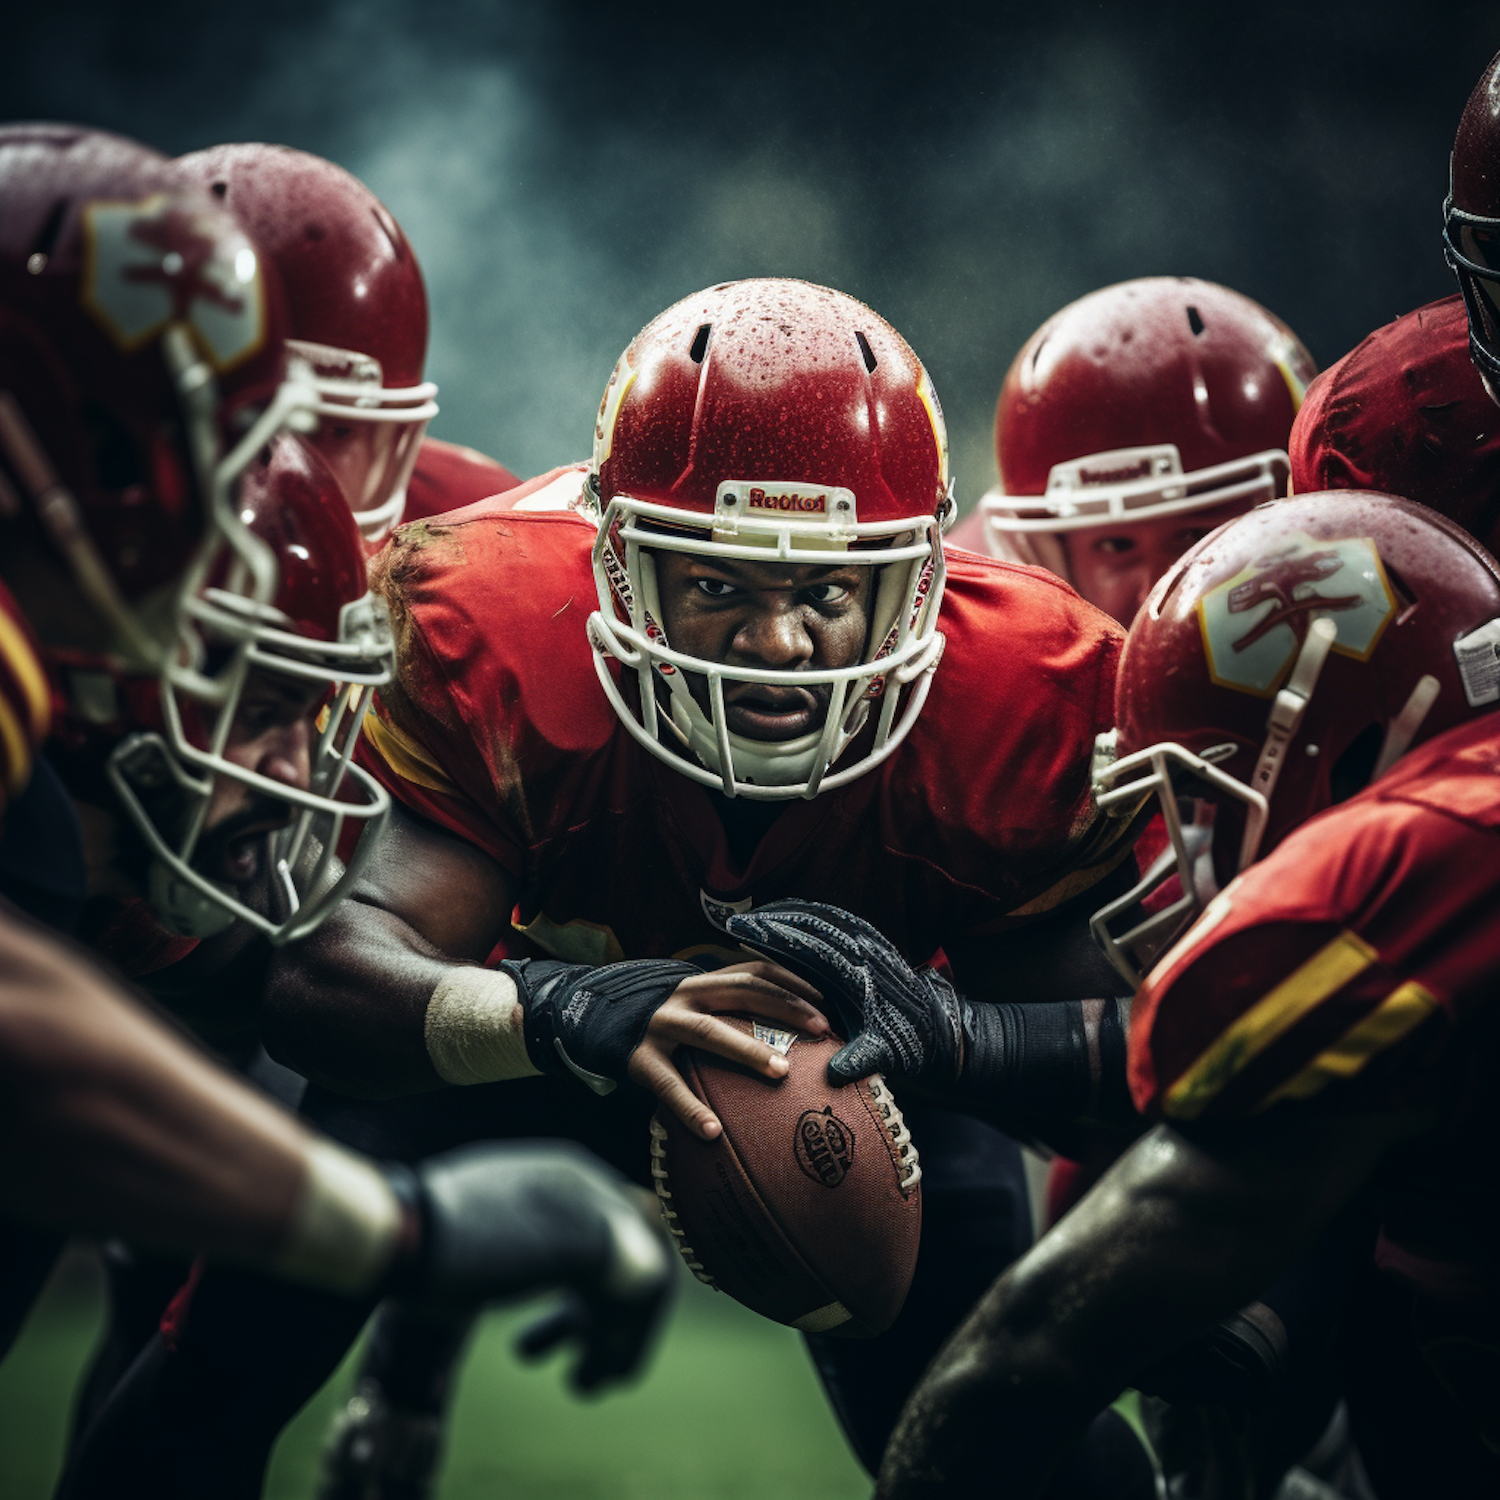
(306, 877)
(1123, 488)
(764, 521)
(387, 424)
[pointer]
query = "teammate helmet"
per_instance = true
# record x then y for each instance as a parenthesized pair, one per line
(323, 627)
(770, 421)
(356, 306)
(1148, 399)
(1288, 660)
(141, 366)
(1471, 221)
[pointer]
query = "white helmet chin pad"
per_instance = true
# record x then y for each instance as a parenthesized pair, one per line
(902, 647)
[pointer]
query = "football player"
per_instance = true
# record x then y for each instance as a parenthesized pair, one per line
(1411, 410)
(357, 317)
(609, 732)
(141, 371)
(1132, 423)
(1324, 1029)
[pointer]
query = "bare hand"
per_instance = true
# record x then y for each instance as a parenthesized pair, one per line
(690, 1017)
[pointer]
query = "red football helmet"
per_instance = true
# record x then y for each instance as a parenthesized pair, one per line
(1289, 659)
(141, 367)
(323, 627)
(356, 311)
(1471, 222)
(770, 421)
(1153, 398)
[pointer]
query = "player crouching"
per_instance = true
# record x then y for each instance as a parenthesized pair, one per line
(1322, 672)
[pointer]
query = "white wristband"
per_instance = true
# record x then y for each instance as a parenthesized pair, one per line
(345, 1229)
(473, 1028)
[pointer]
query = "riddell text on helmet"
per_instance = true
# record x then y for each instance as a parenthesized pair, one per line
(758, 499)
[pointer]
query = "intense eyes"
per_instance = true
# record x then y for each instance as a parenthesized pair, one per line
(822, 594)
(827, 593)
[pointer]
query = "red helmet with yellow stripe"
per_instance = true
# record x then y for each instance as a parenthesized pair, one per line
(770, 421)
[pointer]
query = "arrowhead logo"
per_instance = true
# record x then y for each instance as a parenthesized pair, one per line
(1254, 624)
(157, 262)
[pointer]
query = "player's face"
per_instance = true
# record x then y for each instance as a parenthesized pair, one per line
(1115, 567)
(272, 734)
(353, 450)
(782, 616)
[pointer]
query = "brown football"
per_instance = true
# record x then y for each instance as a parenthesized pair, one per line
(807, 1208)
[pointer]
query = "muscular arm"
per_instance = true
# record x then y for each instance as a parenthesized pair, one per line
(1175, 1236)
(347, 1006)
(111, 1124)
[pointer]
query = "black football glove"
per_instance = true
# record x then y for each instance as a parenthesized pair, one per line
(903, 1022)
(504, 1220)
(585, 1020)
(1020, 1065)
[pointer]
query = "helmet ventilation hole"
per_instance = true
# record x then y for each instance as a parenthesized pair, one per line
(46, 240)
(700, 344)
(1195, 321)
(866, 353)
(220, 189)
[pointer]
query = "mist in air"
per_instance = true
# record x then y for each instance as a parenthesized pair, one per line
(565, 171)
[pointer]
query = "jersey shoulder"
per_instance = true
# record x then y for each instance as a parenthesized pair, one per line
(998, 760)
(495, 682)
(1406, 413)
(25, 700)
(448, 476)
(1315, 967)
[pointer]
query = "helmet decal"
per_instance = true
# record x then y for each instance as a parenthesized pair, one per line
(929, 400)
(153, 263)
(1296, 368)
(621, 378)
(1254, 623)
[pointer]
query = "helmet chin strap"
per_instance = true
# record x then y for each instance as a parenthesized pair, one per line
(766, 762)
(1402, 730)
(1286, 715)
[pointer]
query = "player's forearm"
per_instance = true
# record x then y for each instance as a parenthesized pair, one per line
(1172, 1239)
(1035, 1066)
(348, 1007)
(112, 1124)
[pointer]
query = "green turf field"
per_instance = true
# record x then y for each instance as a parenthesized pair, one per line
(729, 1410)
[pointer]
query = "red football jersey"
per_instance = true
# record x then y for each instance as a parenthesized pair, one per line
(1372, 919)
(1358, 967)
(448, 476)
(499, 730)
(25, 700)
(1407, 414)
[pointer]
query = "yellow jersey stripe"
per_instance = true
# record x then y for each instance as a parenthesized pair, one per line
(17, 654)
(1400, 1012)
(15, 753)
(1329, 969)
(406, 756)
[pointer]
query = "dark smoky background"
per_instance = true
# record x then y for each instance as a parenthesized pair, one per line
(567, 169)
